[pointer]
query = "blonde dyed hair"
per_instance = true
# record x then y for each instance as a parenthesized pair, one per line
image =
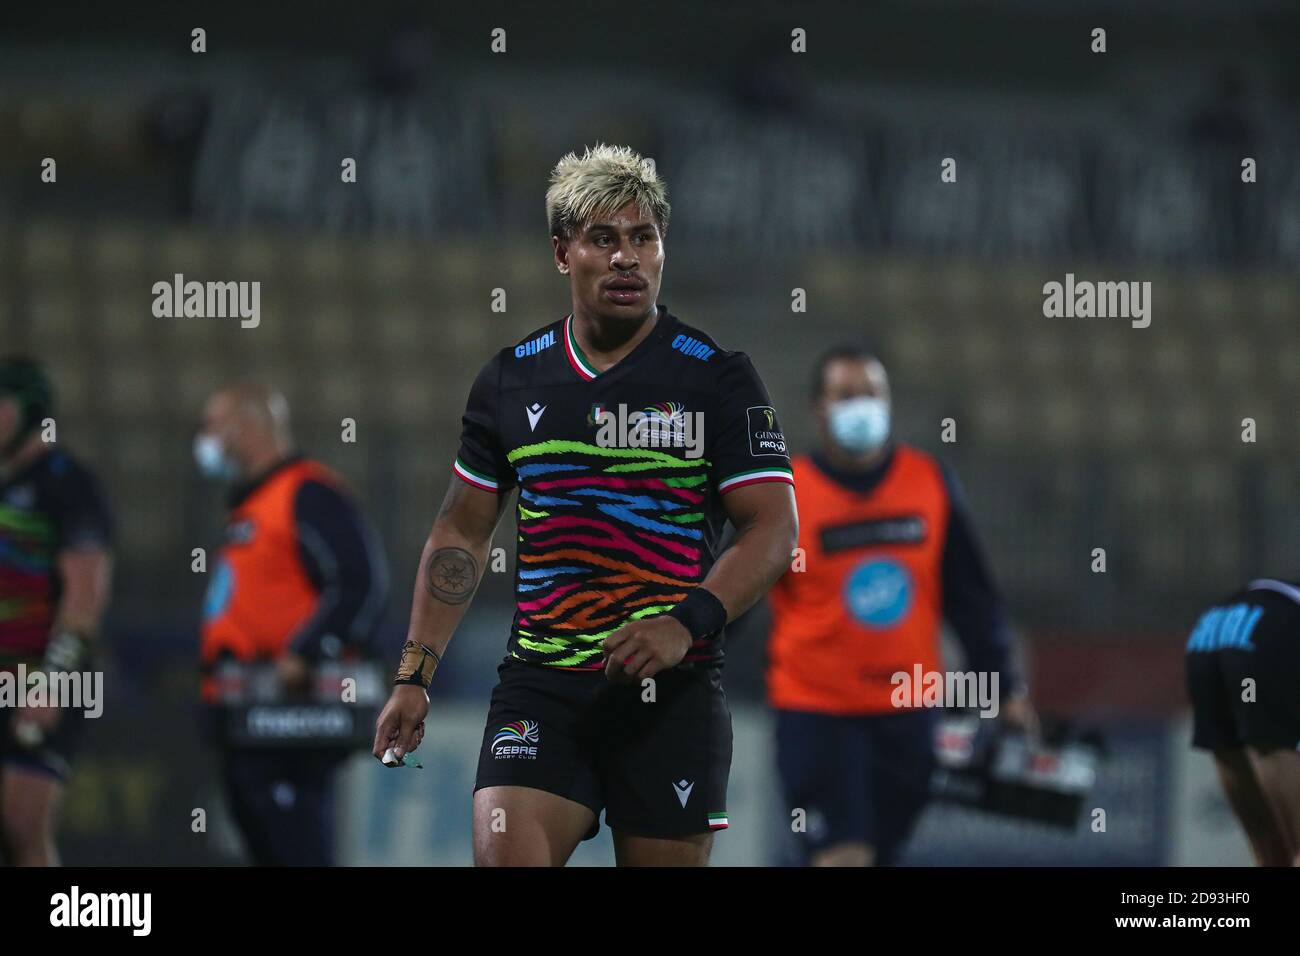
(600, 182)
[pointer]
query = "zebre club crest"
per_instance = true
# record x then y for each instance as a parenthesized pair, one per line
(516, 740)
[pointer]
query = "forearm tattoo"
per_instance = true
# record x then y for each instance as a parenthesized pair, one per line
(451, 574)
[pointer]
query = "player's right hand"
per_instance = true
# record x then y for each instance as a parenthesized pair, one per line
(401, 723)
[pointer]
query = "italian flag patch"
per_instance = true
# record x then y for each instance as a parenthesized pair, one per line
(718, 820)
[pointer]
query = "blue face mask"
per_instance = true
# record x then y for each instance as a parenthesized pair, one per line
(860, 425)
(210, 456)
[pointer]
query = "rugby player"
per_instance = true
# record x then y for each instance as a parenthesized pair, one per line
(1243, 676)
(55, 567)
(890, 550)
(609, 697)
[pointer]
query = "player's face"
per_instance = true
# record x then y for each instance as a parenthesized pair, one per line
(849, 378)
(614, 265)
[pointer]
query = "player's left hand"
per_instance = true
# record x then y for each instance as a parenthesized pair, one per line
(34, 724)
(641, 649)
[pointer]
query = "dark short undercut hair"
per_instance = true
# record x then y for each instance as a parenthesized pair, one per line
(851, 351)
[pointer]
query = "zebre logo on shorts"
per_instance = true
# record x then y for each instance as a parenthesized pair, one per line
(517, 740)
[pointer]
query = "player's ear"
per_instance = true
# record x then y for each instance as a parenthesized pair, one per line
(561, 248)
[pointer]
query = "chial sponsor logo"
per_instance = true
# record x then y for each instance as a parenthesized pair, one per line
(517, 740)
(77, 909)
(536, 345)
(693, 347)
(662, 425)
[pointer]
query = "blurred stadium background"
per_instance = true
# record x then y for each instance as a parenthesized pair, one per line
(815, 171)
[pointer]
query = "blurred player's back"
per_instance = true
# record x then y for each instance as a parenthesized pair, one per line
(1243, 676)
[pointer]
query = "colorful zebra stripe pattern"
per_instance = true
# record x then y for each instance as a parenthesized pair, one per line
(27, 544)
(606, 535)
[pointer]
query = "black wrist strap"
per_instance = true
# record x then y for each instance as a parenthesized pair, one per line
(701, 613)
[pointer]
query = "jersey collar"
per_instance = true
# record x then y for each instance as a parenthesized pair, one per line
(580, 363)
(586, 371)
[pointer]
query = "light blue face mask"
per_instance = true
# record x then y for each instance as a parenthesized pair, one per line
(210, 456)
(860, 425)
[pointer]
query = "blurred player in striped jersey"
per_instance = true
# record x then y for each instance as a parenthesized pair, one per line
(55, 565)
(631, 437)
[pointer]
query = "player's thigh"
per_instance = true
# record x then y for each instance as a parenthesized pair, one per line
(1278, 773)
(1270, 722)
(521, 826)
(536, 783)
(632, 850)
(845, 855)
(664, 757)
(29, 803)
(1251, 805)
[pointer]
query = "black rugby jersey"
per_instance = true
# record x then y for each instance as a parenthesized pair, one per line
(1266, 606)
(620, 473)
(54, 504)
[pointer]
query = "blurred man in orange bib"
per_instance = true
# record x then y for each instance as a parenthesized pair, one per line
(301, 580)
(888, 552)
